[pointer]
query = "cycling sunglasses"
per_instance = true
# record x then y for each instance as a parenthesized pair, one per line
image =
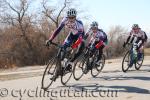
(71, 17)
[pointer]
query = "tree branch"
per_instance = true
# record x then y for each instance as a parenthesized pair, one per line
(46, 12)
(65, 4)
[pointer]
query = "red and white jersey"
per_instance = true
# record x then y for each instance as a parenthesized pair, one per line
(99, 35)
(134, 36)
(75, 27)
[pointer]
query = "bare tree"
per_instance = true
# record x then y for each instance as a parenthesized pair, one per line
(49, 12)
(20, 19)
(116, 39)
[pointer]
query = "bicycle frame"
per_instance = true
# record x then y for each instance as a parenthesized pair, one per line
(131, 57)
(61, 49)
(73, 46)
(91, 51)
(133, 54)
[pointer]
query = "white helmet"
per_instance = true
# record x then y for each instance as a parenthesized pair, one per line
(71, 12)
(135, 26)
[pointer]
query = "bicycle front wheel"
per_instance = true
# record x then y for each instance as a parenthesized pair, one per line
(102, 63)
(139, 63)
(94, 66)
(66, 75)
(96, 69)
(49, 73)
(126, 62)
(79, 66)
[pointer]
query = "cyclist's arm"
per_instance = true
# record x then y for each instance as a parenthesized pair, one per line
(145, 37)
(57, 31)
(129, 37)
(80, 30)
(105, 40)
(87, 34)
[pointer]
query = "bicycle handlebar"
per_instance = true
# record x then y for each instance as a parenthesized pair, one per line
(55, 44)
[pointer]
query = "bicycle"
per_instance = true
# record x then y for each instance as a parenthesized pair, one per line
(87, 61)
(57, 66)
(131, 58)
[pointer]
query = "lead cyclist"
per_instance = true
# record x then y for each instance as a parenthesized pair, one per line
(76, 31)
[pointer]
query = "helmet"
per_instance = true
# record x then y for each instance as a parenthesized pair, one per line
(94, 24)
(134, 26)
(71, 12)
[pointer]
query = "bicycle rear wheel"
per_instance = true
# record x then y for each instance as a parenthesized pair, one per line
(139, 63)
(49, 73)
(126, 62)
(66, 75)
(94, 71)
(102, 63)
(79, 66)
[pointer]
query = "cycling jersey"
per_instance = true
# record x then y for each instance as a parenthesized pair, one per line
(76, 31)
(99, 35)
(136, 37)
(75, 28)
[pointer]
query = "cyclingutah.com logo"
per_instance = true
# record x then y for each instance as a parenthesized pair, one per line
(69, 92)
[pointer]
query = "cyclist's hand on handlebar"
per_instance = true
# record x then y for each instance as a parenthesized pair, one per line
(48, 42)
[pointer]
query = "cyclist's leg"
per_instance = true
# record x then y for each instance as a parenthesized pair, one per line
(100, 52)
(131, 58)
(140, 53)
(67, 43)
(92, 50)
(140, 50)
(80, 47)
(79, 51)
(100, 55)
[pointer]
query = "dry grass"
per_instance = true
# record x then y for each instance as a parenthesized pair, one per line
(147, 51)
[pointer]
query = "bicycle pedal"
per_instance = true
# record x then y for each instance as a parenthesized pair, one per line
(86, 71)
(54, 78)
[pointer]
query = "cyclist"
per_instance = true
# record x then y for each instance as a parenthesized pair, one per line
(96, 35)
(138, 37)
(76, 31)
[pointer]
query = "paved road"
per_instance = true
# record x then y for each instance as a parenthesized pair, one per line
(111, 84)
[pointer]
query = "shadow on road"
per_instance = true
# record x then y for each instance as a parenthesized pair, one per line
(109, 78)
(97, 87)
(143, 69)
(148, 65)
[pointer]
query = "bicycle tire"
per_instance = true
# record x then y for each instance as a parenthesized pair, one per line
(49, 66)
(103, 63)
(94, 66)
(80, 60)
(123, 61)
(63, 81)
(138, 65)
